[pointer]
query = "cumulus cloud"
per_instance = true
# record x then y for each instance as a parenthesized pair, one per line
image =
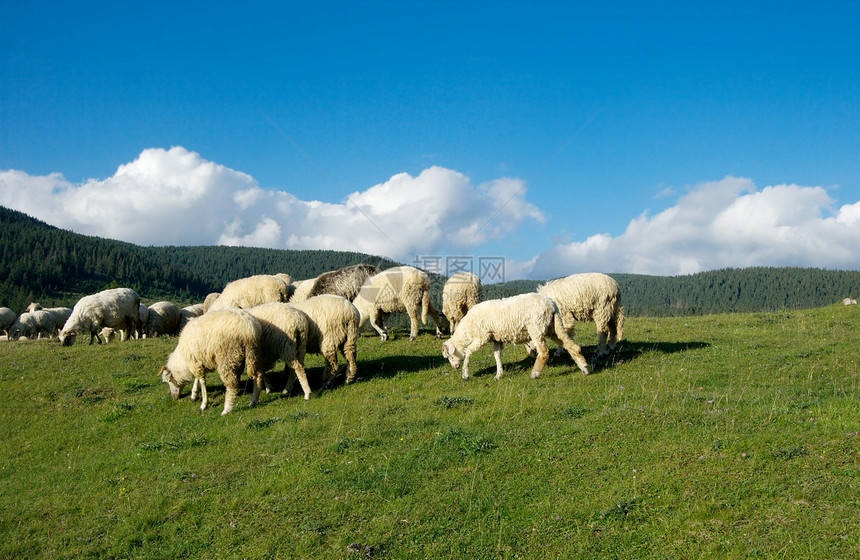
(727, 223)
(175, 197)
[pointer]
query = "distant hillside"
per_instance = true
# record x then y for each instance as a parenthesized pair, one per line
(42, 263)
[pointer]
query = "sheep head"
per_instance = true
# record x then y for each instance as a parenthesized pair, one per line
(167, 377)
(449, 350)
(67, 338)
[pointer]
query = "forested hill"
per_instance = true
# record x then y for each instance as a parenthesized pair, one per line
(42, 263)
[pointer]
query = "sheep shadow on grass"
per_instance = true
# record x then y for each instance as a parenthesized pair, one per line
(625, 351)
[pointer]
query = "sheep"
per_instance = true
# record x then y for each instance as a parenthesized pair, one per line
(163, 318)
(33, 306)
(285, 337)
(187, 313)
(7, 319)
(401, 289)
(252, 291)
(527, 317)
(461, 292)
(38, 322)
(589, 297)
(118, 308)
(210, 299)
(225, 340)
(332, 326)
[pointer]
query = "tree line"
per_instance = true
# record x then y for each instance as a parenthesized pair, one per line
(55, 267)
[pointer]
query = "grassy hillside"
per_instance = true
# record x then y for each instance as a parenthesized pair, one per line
(725, 436)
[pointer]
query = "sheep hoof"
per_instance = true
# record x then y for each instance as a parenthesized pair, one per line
(465, 376)
(535, 374)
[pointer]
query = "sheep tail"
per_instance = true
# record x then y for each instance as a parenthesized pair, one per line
(425, 305)
(618, 323)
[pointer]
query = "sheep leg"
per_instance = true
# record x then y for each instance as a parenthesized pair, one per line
(194, 388)
(466, 357)
(467, 353)
(437, 320)
(497, 354)
(348, 352)
(413, 323)
(542, 356)
(259, 383)
(231, 383)
(331, 370)
(380, 328)
(575, 352)
(303, 378)
(203, 395)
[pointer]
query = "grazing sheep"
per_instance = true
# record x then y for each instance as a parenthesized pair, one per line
(188, 313)
(224, 340)
(118, 308)
(401, 289)
(163, 318)
(589, 297)
(523, 318)
(252, 291)
(7, 319)
(461, 292)
(41, 321)
(332, 326)
(210, 299)
(285, 337)
(849, 301)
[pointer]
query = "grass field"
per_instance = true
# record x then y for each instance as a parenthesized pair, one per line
(725, 436)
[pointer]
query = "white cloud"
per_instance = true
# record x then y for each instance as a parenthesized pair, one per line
(175, 197)
(728, 223)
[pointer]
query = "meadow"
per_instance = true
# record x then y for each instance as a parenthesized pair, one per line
(721, 436)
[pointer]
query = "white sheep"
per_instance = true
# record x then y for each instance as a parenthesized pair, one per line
(285, 337)
(163, 319)
(118, 308)
(401, 289)
(589, 297)
(523, 318)
(461, 292)
(252, 291)
(224, 340)
(34, 306)
(332, 326)
(38, 322)
(7, 319)
(189, 312)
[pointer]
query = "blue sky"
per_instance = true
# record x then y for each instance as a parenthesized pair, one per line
(564, 137)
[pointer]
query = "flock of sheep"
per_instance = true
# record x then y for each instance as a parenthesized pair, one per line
(254, 322)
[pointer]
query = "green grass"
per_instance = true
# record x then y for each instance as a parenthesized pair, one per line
(725, 436)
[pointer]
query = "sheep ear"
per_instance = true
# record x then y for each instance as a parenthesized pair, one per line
(165, 374)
